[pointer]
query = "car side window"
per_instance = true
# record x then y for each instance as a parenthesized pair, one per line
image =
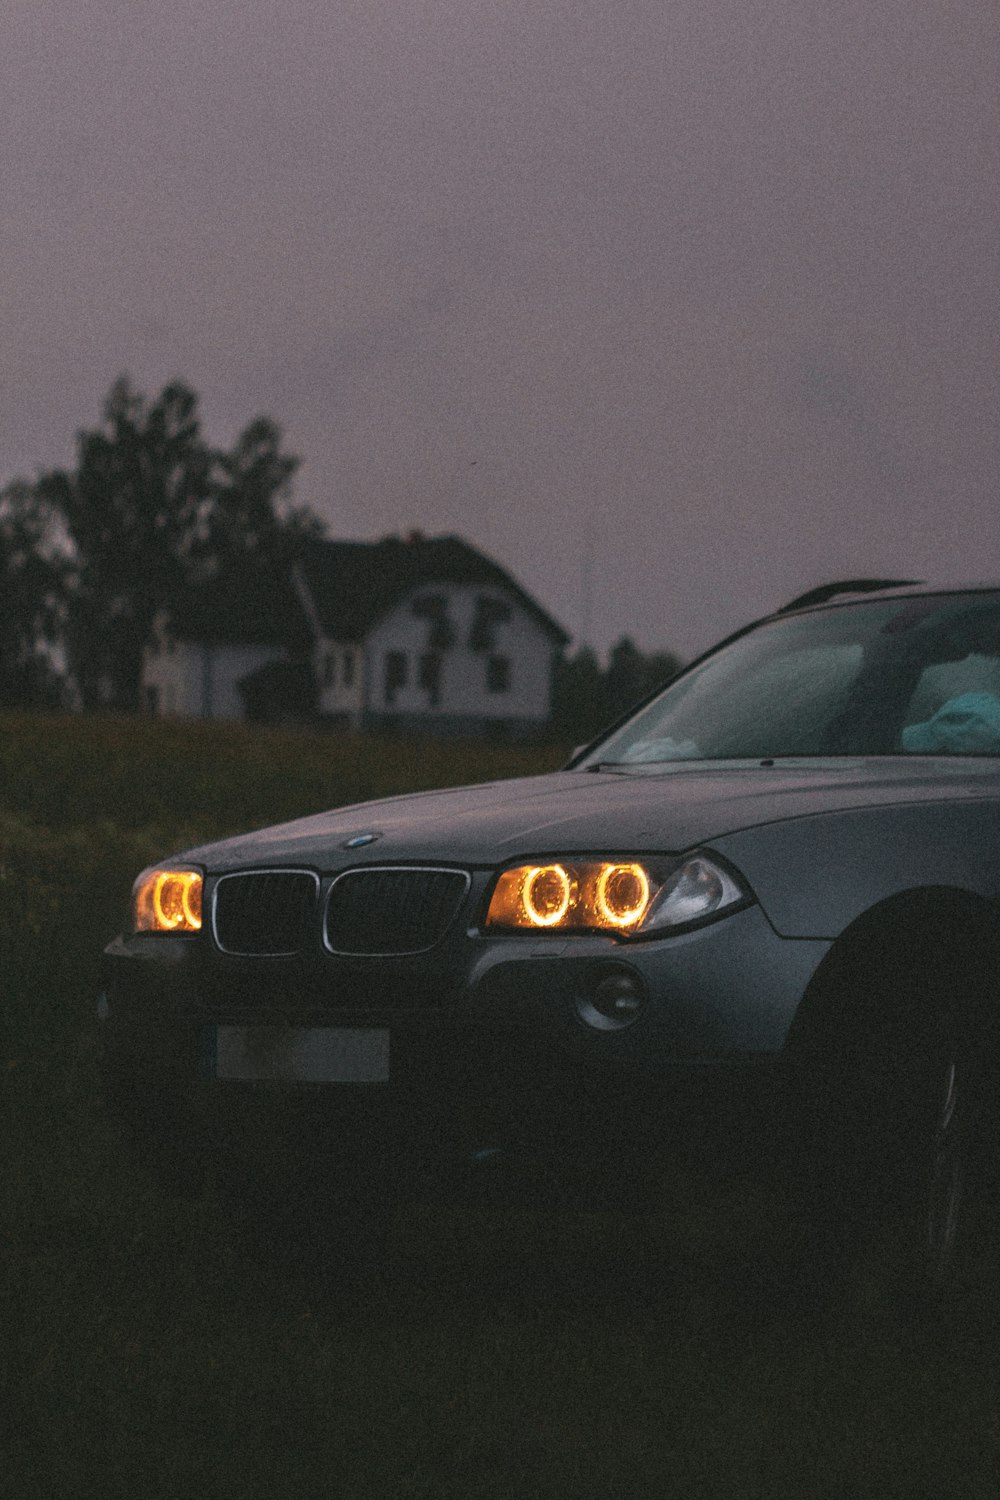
(955, 708)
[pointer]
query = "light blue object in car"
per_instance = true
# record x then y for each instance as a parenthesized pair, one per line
(966, 725)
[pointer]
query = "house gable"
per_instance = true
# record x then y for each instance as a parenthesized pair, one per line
(428, 634)
(464, 657)
(354, 584)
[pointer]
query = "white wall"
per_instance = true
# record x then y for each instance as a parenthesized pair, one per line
(197, 680)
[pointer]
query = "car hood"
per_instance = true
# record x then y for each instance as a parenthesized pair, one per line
(641, 809)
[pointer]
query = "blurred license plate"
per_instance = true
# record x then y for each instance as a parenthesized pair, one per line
(323, 1054)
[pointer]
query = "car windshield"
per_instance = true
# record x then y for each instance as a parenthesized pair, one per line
(916, 676)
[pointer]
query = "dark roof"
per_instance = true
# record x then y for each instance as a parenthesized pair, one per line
(353, 583)
(252, 607)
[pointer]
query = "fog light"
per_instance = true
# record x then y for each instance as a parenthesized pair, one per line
(615, 1000)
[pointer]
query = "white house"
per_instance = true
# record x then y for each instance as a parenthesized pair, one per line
(423, 635)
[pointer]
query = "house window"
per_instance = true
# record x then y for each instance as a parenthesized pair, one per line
(429, 676)
(489, 614)
(329, 669)
(395, 675)
(152, 699)
(347, 669)
(434, 609)
(498, 675)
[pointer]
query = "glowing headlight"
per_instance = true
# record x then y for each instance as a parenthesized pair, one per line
(167, 901)
(620, 896)
(546, 893)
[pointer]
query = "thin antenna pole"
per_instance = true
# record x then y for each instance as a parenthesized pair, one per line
(587, 581)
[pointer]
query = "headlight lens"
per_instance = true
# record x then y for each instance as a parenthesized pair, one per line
(627, 897)
(699, 889)
(547, 892)
(167, 901)
(623, 893)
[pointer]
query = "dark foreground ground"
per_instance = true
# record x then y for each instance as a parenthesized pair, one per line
(721, 1347)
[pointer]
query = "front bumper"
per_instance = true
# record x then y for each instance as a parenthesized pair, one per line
(491, 1040)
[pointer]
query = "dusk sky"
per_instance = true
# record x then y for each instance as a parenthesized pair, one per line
(701, 291)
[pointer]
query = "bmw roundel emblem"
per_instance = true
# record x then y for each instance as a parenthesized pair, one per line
(360, 840)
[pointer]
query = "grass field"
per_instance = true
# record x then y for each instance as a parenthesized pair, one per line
(716, 1347)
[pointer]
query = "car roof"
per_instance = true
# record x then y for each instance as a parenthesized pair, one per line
(847, 589)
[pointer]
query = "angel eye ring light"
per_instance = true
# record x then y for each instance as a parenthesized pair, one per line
(546, 894)
(622, 894)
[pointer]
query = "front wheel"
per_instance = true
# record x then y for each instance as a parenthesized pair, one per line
(913, 1153)
(932, 1196)
(948, 1202)
(896, 1143)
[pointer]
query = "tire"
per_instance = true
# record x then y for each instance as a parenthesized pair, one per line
(892, 1146)
(947, 1204)
(916, 1166)
(932, 1204)
(894, 1066)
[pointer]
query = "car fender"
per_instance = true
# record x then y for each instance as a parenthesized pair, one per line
(815, 876)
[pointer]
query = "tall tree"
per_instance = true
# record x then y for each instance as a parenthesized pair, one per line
(579, 708)
(131, 508)
(251, 519)
(31, 577)
(149, 510)
(586, 700)
(632, 674)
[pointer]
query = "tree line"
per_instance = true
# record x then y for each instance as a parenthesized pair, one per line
(149, 511)
(586, 697)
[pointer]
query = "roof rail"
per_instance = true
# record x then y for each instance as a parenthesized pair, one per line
(827, 591)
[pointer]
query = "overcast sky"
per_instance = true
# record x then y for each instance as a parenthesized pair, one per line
(695, 299)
